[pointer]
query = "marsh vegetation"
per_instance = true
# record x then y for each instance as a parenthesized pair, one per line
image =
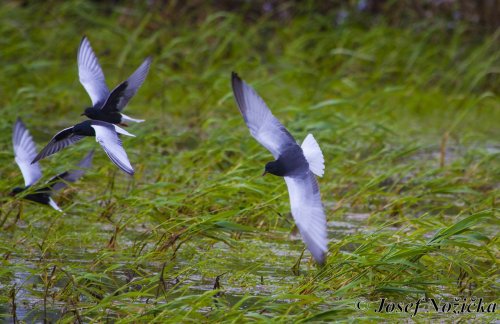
(407, 117)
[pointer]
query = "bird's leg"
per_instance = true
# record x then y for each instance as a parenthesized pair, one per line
(123, 124)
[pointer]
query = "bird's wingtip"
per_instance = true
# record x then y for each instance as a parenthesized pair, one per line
(38, 157)
(321, 260)
(19, 123)
(235, 79)
(83, 41)
(86, 162)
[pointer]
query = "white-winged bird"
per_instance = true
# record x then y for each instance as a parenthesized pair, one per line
(107, 106)
(105, 133)
(297, 164)
(25, 151)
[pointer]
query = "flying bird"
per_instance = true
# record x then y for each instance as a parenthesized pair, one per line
(107, 106)
(105, 133)
(297, 164)
(25, 151)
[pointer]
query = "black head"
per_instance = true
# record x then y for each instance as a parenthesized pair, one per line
(16, 190)
(275, 168)
(89, 112)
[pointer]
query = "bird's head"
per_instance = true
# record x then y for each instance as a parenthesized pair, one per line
(15, 191)
(273, 168)
(89, 112)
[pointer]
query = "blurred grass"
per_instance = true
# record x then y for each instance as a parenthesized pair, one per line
(407, 119)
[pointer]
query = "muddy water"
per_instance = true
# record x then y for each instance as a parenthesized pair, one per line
(266, 279)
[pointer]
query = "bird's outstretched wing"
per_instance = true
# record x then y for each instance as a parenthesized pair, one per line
(60, 181)
(264, 127)
(25, 152)
(90, 74)
(308, 213)
(106, 135)
(114, 98)
(134, 82)
(62, 139)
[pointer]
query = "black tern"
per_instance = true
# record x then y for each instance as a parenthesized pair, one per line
(297, 164)
(25, 151)
(105, 133)
(107, 106)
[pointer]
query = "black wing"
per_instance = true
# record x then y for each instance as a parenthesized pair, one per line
(62, 139)
(114, 98)
(60, 181)
(134, 83)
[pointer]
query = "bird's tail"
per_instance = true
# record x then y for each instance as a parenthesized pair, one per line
(53, 204)
(313, 155)
(126, 118)
(120, 130)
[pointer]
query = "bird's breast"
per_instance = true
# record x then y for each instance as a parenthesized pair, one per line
(293, 162)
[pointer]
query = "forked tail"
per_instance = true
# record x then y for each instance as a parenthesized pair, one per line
(313, 155)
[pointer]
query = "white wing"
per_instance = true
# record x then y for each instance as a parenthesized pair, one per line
(308, 213)
(90, 74)
(134, 83)
(25, 152)
(106, 135)
(264, 127)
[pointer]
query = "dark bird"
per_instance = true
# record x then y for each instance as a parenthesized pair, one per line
(297, 164)
(25, 151)
(105, 133)
(107, 106)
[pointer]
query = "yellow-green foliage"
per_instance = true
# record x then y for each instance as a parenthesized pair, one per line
(408, 120)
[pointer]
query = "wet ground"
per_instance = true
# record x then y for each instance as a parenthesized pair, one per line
(261, 280)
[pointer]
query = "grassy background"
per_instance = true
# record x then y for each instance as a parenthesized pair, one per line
(407, 117)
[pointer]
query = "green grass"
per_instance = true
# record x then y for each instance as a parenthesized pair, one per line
(407, 119)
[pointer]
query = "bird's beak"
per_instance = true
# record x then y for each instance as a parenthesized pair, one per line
(12, 193)
(265, 172)
(82, 114)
